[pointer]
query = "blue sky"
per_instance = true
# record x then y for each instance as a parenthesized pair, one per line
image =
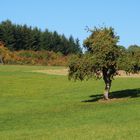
(72, 16)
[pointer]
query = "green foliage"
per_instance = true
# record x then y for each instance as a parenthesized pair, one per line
(102, 52)
(22, 37)
(83, 67)
(133, 49)
(130, 59)
(102, 44)
(6, 33)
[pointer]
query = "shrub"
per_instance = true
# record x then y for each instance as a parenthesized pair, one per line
(33, 57)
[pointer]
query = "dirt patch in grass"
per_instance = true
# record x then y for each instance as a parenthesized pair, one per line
(54, 71)
(122, 73)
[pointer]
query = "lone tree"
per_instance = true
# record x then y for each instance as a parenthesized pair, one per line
(101, 59)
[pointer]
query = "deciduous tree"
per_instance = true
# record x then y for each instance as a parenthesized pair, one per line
(101, 58)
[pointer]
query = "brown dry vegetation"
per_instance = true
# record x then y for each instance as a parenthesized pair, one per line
(29, 57)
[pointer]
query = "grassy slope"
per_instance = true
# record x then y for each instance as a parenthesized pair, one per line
(38, 106)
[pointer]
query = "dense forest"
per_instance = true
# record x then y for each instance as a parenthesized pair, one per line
(22, 37)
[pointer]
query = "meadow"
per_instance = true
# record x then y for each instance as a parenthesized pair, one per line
(40, 106)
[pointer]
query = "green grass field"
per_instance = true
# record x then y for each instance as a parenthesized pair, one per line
(37, 106)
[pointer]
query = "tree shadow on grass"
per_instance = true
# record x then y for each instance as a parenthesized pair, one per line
(128, 93)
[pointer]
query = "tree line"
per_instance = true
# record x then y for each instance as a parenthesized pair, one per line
(22, 37)
(129, 58)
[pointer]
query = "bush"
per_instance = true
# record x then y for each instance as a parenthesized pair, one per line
(33, 57)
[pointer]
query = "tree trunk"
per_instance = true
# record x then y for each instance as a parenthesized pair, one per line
(107, 80)
(1, 59)
(107, 89)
